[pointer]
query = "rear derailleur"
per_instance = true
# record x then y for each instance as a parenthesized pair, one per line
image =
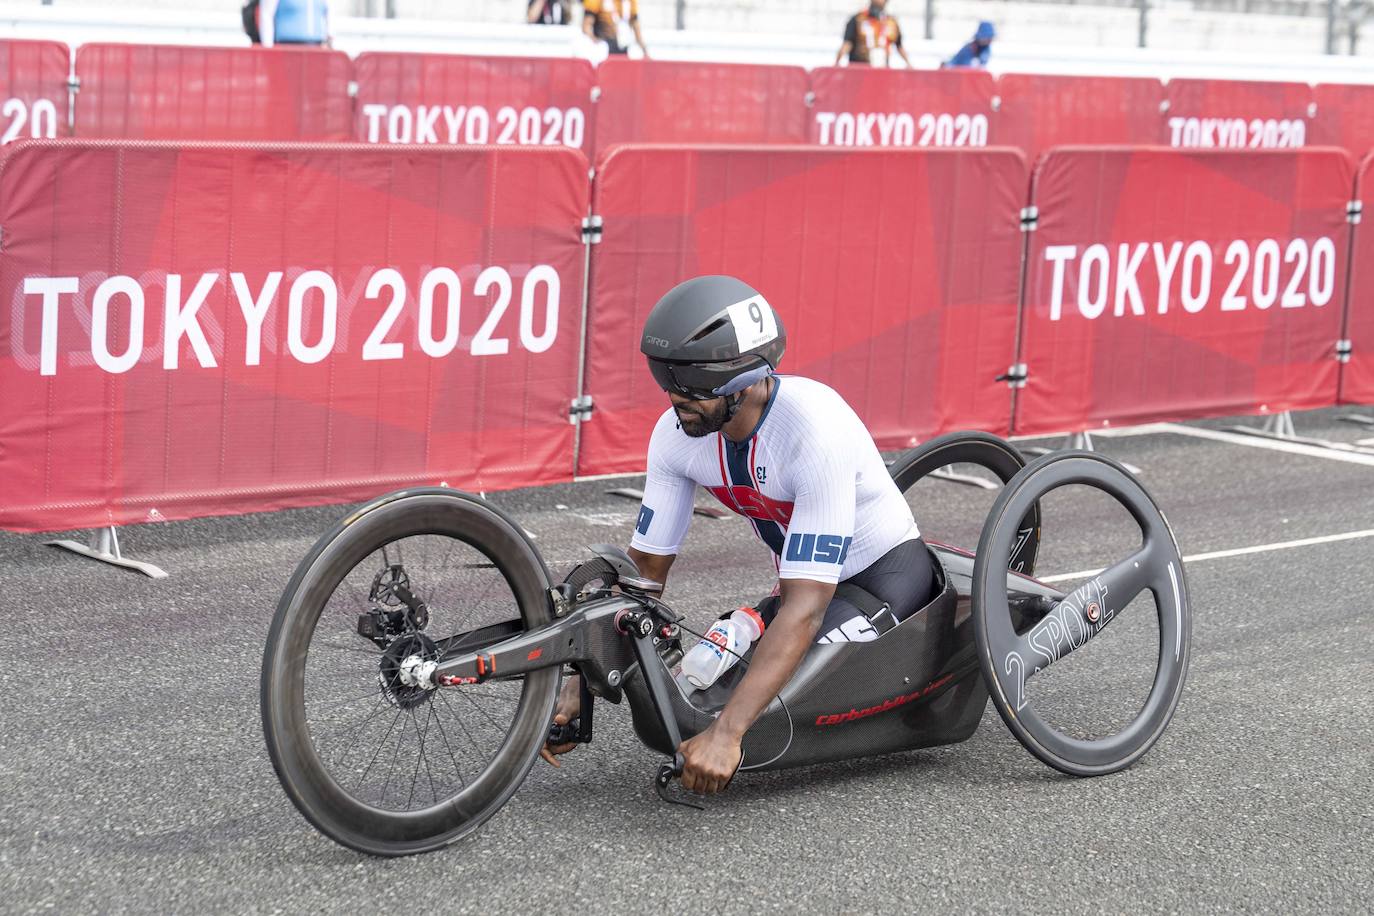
(393, 610)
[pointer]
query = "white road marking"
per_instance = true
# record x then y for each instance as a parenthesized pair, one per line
(1217, 435)
(1235, 552)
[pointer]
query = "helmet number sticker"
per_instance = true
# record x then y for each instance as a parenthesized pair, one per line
(754, 323)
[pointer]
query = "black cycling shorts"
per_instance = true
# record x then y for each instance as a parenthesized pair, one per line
(903, 578)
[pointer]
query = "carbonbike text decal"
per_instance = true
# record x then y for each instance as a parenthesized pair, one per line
(40, 118)
(474, 124)
(1063, 630)
(1292, 274)
(318, 317)
(900, 128)
(884, 706)
(1237, 133)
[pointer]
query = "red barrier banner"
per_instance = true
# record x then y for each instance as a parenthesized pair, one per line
(188, 93)
(875, 106)
(1038, 111)
(449, 98)
(1236, 114)
(33, 87)
(1164, 284)
(1357, 375)
(894, 271)
(1345, 117)
(681, 102)
(218, 328)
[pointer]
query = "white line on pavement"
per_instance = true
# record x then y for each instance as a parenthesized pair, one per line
(1217, 435)
(1236, 552)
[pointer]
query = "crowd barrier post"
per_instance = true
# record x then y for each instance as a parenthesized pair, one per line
(1357, 331)
(104, 547)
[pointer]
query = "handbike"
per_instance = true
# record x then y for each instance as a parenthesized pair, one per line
(429, 618)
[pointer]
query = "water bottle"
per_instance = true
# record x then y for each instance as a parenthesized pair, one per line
(708, 659)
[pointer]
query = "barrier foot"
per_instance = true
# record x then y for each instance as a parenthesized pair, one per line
(968, 480)
(632, 493)
(1358, 419)
(1279, 427)
(104, 546)
(1080, 440)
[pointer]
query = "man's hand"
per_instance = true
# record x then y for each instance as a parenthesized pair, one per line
(569, 703)
(710, 761)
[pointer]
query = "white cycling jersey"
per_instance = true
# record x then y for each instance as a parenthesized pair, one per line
(809, 479)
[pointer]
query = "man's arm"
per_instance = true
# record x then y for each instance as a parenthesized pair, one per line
(851, 35)
(654, 566)
(589, 11)
(267, 22)
(900, 50)
(639, 37)
(714, 755)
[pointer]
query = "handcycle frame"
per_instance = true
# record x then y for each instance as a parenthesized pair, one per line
(922, 686)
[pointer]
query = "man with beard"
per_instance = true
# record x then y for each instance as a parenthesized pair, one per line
(793, 458)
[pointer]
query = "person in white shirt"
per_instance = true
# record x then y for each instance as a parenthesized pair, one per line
(791, 456)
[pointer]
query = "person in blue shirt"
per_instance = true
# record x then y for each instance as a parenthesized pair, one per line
(293, 22)
(976, 52)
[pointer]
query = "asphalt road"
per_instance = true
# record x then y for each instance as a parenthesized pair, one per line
(134, 778)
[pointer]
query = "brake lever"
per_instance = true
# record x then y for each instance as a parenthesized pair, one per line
(666, 772)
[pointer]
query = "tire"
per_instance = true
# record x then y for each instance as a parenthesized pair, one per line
(307, 646)
(988, 452)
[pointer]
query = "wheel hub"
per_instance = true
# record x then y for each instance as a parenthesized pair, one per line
(406, 668)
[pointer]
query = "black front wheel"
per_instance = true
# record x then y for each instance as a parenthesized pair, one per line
(369, 751)
(1011, 656)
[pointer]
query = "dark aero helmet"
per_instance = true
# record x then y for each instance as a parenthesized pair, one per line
(712, 337)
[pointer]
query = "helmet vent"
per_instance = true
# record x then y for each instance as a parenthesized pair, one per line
(708, 330)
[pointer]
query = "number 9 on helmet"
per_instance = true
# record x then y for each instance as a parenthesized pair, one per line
(712, 337)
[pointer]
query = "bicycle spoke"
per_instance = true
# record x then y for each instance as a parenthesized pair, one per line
(356, 731)
(381, 745)
(451, 756)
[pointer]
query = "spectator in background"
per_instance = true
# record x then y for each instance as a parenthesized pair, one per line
(871, 34)
(293, 22)
(549, 12)
(976, 52)
(601, 21)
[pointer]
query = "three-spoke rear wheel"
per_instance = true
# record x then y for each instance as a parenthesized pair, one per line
(1010, 659)
(367, 749)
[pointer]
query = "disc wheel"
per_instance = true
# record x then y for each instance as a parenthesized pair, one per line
(1010, 659)
(373, 759)
(988, 452)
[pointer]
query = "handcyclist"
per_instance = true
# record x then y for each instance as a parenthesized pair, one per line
(791, 456)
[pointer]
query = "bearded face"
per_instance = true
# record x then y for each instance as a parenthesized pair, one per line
(700, 418)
